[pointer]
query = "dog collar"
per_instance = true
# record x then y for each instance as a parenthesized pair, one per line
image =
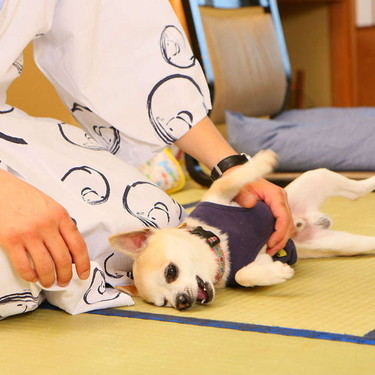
(213, 241)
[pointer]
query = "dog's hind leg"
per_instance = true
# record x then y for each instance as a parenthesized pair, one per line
(329, 243)
(308, 191)
(264, 271)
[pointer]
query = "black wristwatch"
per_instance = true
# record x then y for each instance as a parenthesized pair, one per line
(227, 163)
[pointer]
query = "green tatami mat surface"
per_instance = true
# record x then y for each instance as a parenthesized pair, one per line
(333, 296)
(53, 343)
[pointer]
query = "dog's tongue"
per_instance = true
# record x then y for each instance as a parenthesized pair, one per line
(202, 295)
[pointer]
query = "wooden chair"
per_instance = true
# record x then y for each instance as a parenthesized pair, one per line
(241, 46)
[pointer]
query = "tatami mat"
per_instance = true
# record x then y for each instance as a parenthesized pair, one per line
(330, 298)
(336, 295)
(321, 321)
(54, 343)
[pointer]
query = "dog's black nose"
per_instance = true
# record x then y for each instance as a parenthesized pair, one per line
(183, 301)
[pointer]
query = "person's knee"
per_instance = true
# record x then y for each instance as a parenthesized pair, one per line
(19, 303)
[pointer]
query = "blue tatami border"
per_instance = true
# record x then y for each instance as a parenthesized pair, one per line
(368, 339)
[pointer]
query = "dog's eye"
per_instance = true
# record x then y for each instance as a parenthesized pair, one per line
(171, 273)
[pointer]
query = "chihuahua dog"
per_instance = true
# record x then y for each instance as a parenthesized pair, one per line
(221, 244)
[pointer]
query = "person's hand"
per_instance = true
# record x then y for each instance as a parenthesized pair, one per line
(205, 143)
(276, 198)
(38, 235)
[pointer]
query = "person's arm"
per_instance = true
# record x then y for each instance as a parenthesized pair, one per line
(38, 235)
(205, 143)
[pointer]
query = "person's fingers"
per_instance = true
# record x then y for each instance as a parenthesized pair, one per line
(77, 247)
(22, 263)
(277, 241)
(61, 258)
(276, 199)
(38, 234)
(42, 262)
(284, 227)
(246, 199)
(27, 252)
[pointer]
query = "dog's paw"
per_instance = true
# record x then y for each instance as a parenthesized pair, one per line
(265, 161)
(264, 274)
(319, 219)
(323, 222)
(279, 273)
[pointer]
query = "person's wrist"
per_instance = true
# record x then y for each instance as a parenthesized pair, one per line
(227, 163)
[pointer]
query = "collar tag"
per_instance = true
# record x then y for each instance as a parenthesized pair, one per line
(211, 239)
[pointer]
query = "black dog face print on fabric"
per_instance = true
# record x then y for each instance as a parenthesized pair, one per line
(77, 137)
(19, 303)
(18, 64)
(139, 202)
(108, 266)
(97, 291)
(90, 183)
(5, 111)
(175, 48)
(168, 109)
(10, 137)
(107, 135)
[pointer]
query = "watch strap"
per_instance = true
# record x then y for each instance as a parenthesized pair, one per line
(227, 163)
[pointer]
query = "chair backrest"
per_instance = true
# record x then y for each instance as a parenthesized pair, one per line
(241, 47)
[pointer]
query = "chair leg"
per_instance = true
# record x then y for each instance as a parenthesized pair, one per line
(299, 89)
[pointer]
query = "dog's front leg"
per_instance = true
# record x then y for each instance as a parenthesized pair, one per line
(264, 271)
(328, 243)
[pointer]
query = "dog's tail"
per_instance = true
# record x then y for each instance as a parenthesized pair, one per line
(225, 189)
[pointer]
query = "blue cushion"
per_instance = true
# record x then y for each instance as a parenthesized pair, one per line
(335, 138)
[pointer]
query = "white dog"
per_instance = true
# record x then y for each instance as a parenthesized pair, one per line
(222, 244)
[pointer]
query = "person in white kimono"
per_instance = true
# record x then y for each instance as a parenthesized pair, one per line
(126, 72)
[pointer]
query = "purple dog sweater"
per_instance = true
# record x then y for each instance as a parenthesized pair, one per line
(248, 230)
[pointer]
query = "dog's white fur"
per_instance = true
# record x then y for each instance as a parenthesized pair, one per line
(175, 268)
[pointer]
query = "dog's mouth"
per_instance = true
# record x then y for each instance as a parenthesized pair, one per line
(205, 291)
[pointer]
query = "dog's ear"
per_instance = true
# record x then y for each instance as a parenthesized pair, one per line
(131, 290)
(131, 243)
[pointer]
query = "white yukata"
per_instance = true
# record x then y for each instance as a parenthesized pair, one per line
(125, 70)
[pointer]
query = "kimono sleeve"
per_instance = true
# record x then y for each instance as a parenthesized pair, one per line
(126, 71)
